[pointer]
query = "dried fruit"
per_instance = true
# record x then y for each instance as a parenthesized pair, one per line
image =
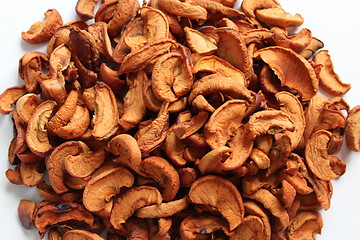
(81, 235)
(85, 9)
(134, 199)
(105, 113)
(163, 210)
(177, 119)
(308, 223)
(328, 79)
(194, 226)
(55, 163)
(223, 122)
(41, 32)
(9, 97)
(37, 137)
(220, 194)
(351, 130)
(317, 159)
(26, 213)
(99, 191)
(296, 73)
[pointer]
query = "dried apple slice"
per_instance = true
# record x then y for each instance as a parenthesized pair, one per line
(9, 97)
(41, 32)
(46, 192)
(54, 88)
(125, 11)
(49, 215)
(85, 56)
(36, 134)
(278, 17)
(163, 76)
(251, 228)
(139, 58)
(156, 24)
(223, 122)
(260, 158)
(232, 48)
(171, 75)
(314, 45)
(26, 105)
(211, 162)
(55, 163)
(99, 31)
(154, 104)
(65, 112)
(292, 69)
(163, 173)
(26, 213)
(14, 175)
(134, 105)
(31, 66)
(30, 174)
(257, 35)
(241, 146)
(198, 41)
(351, 130)
(215, 64)
(85, 9)
(252, 208)
(81, 235)
(192, 227)
(279, 152)
(338, 120)
(106, 114)
(20, 130)
(187, 176)
(183, 9)
(322, 190)
(328, 79)
(110, 77)
(262, 122)
(183, 80)
(126, 147)
(174, 148)
(163, 210)
(99, 190)
(59, 59)
(305, 225)
(220, 194)
(250, 7)
(77, 125)
(185, 129)
(219, 83)
(297, 42)
(134, 29)
(136, 198)
(201, 104)
(316, 155)
(84, 164)
(214, 7)
(276, 208)
(61, 36)
(292, 106)
(151, 136)
(312, 113)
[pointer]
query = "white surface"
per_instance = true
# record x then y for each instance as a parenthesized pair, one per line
(335, 23)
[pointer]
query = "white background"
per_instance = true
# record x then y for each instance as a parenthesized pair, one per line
(335, 23)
